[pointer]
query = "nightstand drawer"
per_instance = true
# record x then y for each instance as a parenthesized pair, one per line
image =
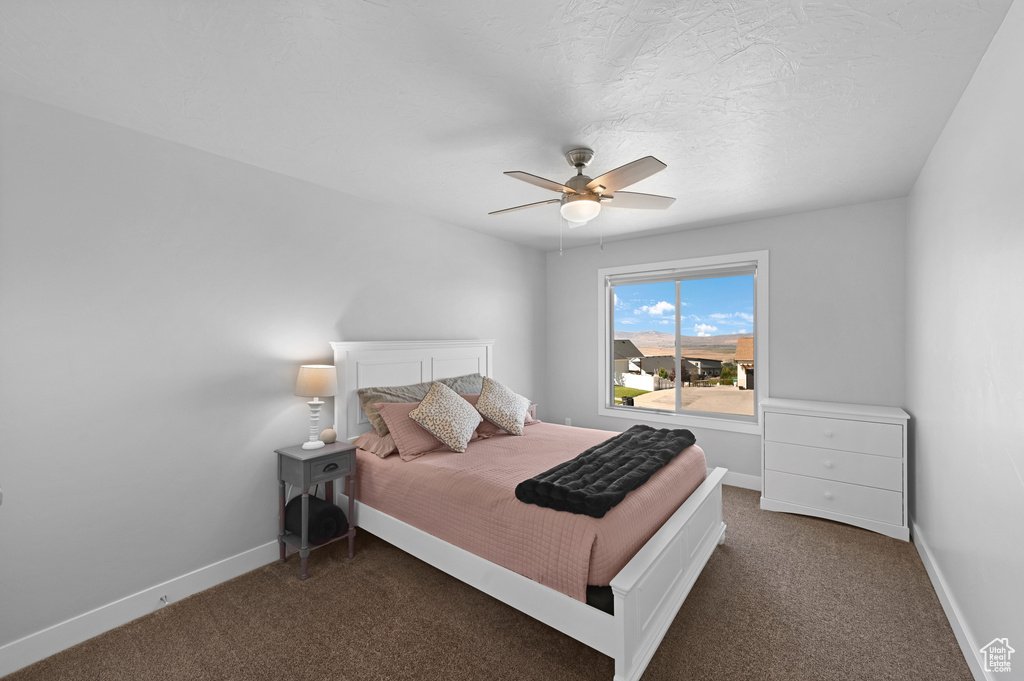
(328, 469)
(860, 469)
(883, 439)
(837, 497)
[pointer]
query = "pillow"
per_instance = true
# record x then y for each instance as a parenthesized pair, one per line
(368, 397)
(372, 441)
(411, 439)
(448, 417)
(502, 407)
(488, 429)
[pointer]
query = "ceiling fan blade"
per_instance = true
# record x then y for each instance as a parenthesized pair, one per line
(634, 200)
(539, 181)
(623, 176)
(528, 205)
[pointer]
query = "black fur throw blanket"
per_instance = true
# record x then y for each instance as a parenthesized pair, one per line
(602, 476)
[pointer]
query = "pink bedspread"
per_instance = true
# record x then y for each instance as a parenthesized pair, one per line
(468, 500)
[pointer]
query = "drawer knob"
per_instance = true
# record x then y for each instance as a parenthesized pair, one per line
(828, 433)
(828, 495)
(828, 464)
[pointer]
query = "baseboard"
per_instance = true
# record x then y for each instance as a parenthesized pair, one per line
(968, 644)
(42, 644)
(742, 480)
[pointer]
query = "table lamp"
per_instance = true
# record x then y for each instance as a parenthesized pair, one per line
(316, 381)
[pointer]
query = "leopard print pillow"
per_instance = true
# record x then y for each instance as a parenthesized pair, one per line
(447, 416)
(502, 407)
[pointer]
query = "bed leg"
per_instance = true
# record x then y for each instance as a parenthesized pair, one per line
(721, 540)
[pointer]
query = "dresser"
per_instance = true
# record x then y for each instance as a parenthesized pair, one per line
(844, 462)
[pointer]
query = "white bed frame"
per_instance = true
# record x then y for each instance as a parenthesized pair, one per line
(648, 591)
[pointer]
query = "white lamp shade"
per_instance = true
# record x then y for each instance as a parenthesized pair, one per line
(316, 380)
(580, 208)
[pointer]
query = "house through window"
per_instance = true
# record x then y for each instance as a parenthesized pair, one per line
(682, 340)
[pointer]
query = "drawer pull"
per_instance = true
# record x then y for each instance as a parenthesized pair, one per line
(828, 433)
(828, 495)
(330, 467)
(828, 464)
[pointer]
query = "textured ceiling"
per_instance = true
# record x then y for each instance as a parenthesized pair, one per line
(758, 107)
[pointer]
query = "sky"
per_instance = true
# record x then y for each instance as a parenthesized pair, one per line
(710, 307)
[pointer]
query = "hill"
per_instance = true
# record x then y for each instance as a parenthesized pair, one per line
(709, 347)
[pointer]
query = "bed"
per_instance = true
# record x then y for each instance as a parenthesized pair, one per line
(647, 592)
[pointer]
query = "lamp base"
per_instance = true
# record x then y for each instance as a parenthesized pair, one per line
(312, 444)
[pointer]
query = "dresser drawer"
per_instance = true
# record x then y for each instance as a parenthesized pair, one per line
(831, 464)
(839, 497)
(866, 437)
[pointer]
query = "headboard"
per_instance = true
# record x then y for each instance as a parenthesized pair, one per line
(365, 364)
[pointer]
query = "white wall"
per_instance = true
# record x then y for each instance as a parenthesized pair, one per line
(836, 306)
(155, 303)
(965, 299)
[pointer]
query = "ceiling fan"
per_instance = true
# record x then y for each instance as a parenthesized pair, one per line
(582, 197)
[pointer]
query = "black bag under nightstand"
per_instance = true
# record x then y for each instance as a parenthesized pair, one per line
(326, 520)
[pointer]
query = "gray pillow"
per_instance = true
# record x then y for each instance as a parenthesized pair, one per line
(466, 385)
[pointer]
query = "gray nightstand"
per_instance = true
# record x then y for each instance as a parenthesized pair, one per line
(308, 467)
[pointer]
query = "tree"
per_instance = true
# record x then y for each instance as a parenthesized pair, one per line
(728, 372)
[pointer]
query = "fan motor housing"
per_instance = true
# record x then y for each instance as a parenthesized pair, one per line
(578, 183)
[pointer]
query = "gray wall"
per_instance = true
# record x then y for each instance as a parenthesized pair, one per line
(965, 292)
(836, 313)
(155, 303)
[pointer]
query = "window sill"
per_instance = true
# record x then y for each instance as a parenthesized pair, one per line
(687, 420)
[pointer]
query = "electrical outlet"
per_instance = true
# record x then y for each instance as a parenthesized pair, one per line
(568, 421)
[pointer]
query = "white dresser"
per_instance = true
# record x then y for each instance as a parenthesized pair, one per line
(844, 462)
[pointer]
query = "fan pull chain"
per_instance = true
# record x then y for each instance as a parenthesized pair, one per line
(561, 224)
(600, 232)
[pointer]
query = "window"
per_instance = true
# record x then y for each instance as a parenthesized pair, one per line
(685, 342)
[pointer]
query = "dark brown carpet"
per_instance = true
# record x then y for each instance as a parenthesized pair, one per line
(786, 597)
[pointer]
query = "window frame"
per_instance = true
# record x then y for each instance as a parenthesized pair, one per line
(692, 268)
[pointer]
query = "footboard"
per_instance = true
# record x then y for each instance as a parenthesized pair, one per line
(648, 591)
(651, 588)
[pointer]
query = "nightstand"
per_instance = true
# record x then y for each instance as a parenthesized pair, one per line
(308, 467)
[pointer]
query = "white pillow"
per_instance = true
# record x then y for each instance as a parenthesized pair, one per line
(502, 407)
(447, 416)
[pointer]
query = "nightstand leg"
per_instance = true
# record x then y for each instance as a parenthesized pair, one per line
(280, 519)
(351, 484)
(304, 549)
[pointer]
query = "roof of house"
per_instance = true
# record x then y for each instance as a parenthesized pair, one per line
(624, 349)
(705, 362)
(651, 363)
(745, 350)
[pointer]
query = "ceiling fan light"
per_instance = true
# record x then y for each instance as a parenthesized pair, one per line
(580, 208)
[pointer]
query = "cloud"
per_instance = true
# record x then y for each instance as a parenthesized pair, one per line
(625, 321)
(742, 331)
(704, 329)
(736, 318)
(657, 310)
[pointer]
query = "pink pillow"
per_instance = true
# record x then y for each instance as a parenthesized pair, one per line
(372, 441)
(411, 438)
